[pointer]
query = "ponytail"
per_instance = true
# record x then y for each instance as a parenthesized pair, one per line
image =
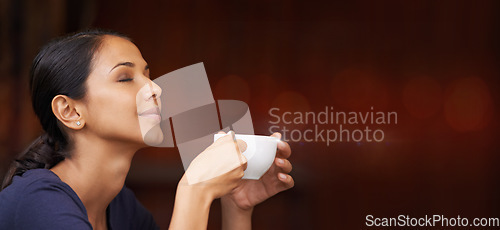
(44, 152)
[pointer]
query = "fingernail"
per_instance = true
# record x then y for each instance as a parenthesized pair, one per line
(282, 176)
(281, 161)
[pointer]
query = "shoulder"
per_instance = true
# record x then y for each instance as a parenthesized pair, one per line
(126, 212)
(39, 199)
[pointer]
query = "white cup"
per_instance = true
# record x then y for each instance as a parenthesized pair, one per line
(260, 153)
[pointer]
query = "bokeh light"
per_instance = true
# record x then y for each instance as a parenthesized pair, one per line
(467, 104)
(291, 101)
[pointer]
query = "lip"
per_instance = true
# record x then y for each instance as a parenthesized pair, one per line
(151, 113)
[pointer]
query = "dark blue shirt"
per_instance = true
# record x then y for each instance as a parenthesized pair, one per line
(40, 200)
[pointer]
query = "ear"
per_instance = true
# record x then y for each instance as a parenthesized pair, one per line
(64, 108)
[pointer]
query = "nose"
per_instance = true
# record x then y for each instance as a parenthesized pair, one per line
(154, 91)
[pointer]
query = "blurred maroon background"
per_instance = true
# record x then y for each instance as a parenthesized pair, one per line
(436, 63)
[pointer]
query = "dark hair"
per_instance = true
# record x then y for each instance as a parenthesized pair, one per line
(60, 68)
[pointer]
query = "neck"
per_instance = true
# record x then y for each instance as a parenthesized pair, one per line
(96, 171)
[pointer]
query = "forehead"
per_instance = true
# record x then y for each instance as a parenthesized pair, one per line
(115, 50)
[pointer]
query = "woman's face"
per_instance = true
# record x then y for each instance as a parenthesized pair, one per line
(122, 103)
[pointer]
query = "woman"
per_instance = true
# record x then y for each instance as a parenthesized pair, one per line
(83, 90)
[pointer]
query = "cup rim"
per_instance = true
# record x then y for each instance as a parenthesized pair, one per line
(251, 135)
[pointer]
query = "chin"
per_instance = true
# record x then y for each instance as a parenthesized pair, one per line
(154, 136)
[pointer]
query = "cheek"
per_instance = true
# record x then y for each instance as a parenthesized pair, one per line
(114, 115)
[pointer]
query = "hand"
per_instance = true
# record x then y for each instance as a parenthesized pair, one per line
(252, 192)
(213, 173)
(218, 169)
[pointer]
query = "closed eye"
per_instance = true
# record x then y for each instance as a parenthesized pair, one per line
(125, 80)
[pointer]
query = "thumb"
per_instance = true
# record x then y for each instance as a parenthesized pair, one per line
(242, 145)
(243, 161)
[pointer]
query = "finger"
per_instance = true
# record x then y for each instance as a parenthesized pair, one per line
(225, 138)
(221, 132)
(243, 161)
(284, 150)
(277, 135)
(286, 179)
(242, 145)
(284, 164)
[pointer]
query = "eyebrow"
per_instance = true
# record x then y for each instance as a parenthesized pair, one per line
(128, 64)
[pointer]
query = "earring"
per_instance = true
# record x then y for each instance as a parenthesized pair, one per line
(78, 123)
